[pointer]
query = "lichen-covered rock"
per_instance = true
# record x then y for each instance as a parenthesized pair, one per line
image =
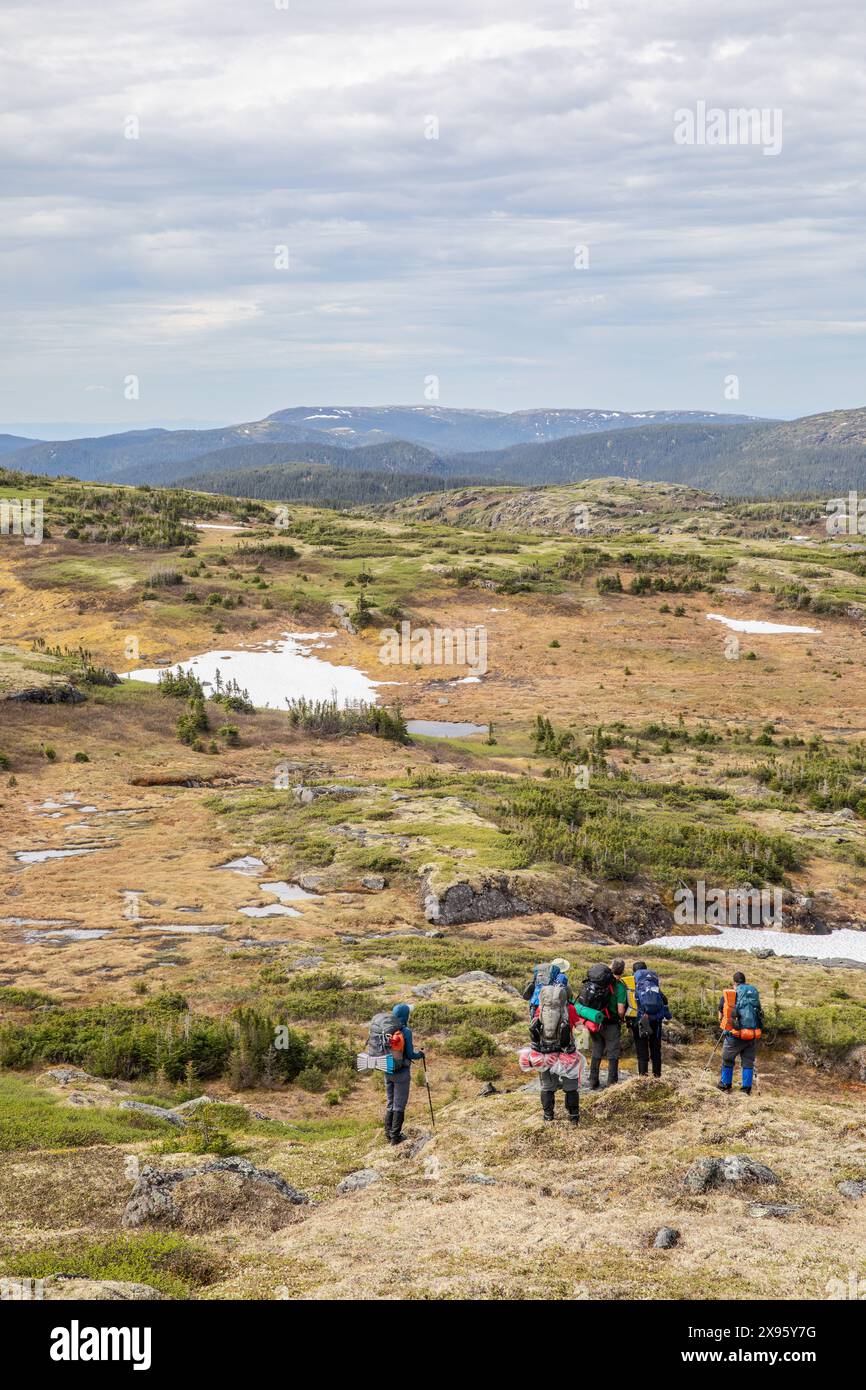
(853, 1189)
(68, 1286)
(666, 1238)
(707, 1173)
(156, 1112)
(305, 795)
(355, 1182)
(465, 901)
(211, 1195)
(768, 1209)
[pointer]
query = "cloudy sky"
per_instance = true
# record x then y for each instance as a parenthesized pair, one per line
(308, 127)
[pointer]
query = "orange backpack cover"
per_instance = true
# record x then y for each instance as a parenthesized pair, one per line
(729, 1008)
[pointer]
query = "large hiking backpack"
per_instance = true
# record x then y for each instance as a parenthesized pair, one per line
(595, 990)
(553, 1028)
(540, 979)
(732, 1022)
(748, 1007)
(385, 1032)
(648, 994)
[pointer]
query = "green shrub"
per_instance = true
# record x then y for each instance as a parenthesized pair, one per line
(169, 1263)
(440, 1018)
(311, 1079)
(472, 1042)
(487, 1069)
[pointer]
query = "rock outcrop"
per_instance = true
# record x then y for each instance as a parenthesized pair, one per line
(69, 1286)
(631, 915)
(736, 1169)
(213, 1194)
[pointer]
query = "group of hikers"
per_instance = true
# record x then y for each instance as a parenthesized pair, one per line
(608, 998)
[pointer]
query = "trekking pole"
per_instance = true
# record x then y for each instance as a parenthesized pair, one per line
(429, 1097)
(712, 1055)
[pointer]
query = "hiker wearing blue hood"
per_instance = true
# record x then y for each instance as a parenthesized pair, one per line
(397, 1082)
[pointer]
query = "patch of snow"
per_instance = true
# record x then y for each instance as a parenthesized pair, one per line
(850, 945)
(753, 625)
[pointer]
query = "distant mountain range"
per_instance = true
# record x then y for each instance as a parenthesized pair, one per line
(428, 446)
(162, 456)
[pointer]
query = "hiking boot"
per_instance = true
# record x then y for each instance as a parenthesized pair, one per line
(548, 1119)
(722, 1086)
(395, 1137)
(389, 1124)
(572, 1105)
(744, 1090)
(548, 1101)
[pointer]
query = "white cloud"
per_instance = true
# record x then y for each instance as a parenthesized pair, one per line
(261, 127)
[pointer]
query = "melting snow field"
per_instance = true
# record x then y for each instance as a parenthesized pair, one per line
(753, 625)
(276, 672)
(845, 944)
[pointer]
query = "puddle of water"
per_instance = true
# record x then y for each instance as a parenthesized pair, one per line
(38, 856)
(756, 627)
(248, 864)
(217, 526)
(33, 938)
(272, 910)
(850, 945)
(467, 680)
(273, 674)
(443, 728)
(35, 922)
(188, 928)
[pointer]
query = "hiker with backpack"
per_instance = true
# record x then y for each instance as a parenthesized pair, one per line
(650, 1012)
(544, 975)
(391, 1050)
(741, 1020)
(601, 1004)
(552, 1031)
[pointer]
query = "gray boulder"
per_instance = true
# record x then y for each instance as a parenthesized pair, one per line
(767, 1209)
(707, 1173)
(666, 1238)
(153, 1199)
(853, 1189)
(354, 1182)
(156, 1112)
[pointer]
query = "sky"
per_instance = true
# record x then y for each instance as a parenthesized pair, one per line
(210, 211)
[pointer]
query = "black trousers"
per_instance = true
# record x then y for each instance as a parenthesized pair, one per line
(605, 1043)
(647, 1049)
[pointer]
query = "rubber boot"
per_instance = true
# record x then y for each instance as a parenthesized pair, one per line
(747, 1081)
(593, 1074)
(548, 1103)
(613, 1071)
(572, 1105)
(395, 1136)
(726, 1078)
(389, 1124)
